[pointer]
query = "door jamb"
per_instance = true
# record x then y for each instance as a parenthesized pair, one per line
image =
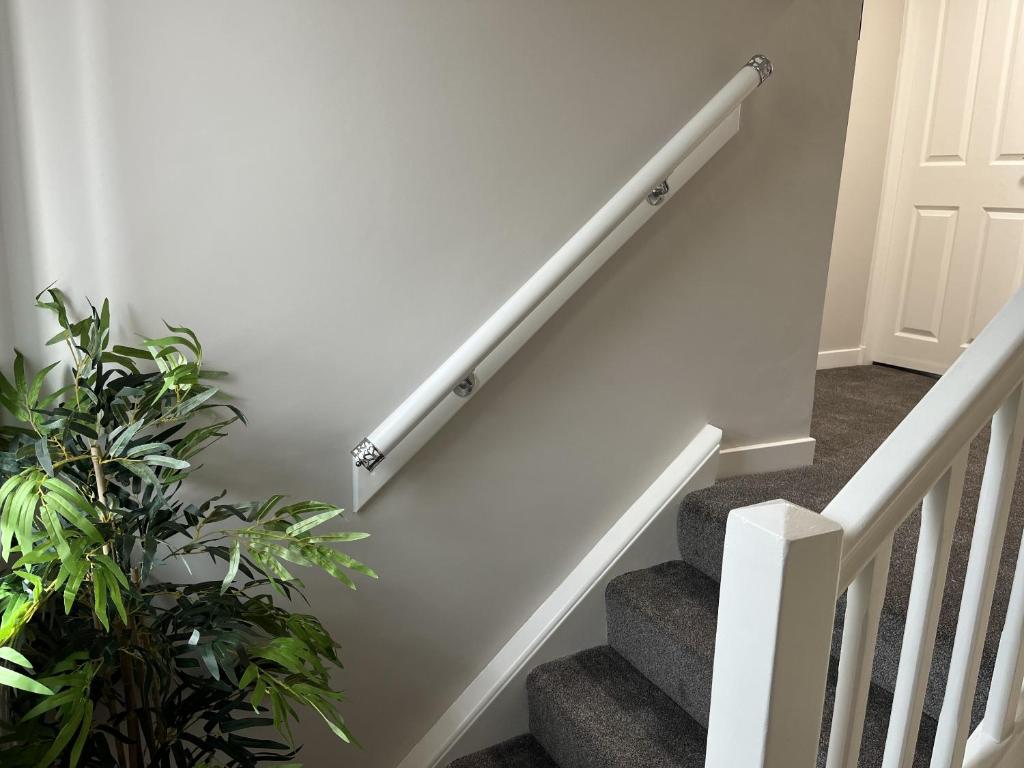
(895, 151)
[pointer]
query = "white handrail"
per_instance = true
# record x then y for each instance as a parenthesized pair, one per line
(648, 182)
(915, 456)
(925, 457)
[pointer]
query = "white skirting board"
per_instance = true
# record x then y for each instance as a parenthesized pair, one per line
(842, 358)
(766, 457)
(493, 707)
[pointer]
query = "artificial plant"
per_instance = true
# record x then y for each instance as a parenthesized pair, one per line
(106, 659)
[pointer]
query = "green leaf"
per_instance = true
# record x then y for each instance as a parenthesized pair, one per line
(13, 679)
(171, 341)
(113, 569)
(19, 374)
(76, 574)
(352, 564)
(135, 352)
(118, 600)
(52, 702)
(99, 597)
(53, 527)
(166, 461)
(72, 506)
(210, 661)
(124, 434)
(69, 726)
(9, 654)
(312, 522)
(249, 676)
(42, 449)
(37, 384)
(138, 450)
(83, 733)
(332, 538)
(233, 562)
(141, 470)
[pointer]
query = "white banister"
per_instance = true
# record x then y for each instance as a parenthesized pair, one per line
(979, 583)
(860, 630)
(456, 373)
(886, 489)
(938, 521)
(772, 645)
(925, 458)
(1004, 697)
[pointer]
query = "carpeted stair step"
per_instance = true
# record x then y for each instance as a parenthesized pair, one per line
(703, 514)
(520, 752)
(662, 620)
(702, 527)
(594, 710)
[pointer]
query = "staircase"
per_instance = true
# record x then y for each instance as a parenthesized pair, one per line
(643, 700)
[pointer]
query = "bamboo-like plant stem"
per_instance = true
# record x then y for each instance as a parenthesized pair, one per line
(127, 670)
(101, 489)
(132, 707)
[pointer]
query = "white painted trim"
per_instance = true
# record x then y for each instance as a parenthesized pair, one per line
(766, 457)
(984, 752)
(873, 329)
(775, 616)
(493, 707)
(365, 485)
(842, 358)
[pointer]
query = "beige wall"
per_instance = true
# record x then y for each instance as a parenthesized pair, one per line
(336, 193)
(860, 191)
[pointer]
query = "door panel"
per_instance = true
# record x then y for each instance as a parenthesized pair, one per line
(954, 251)
(1000, 266)
(1009, 144)
(954, 80)
(924, 282)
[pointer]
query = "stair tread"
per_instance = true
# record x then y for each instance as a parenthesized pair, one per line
(520, 752)
(701, 532)
(594, 710)
(662, 620)
(703, 514)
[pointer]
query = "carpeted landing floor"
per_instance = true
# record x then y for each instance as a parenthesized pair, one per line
(643, 699)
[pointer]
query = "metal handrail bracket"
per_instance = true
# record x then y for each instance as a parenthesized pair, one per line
(471, 364)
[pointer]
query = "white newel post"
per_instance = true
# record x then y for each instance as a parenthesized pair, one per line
(775, 616)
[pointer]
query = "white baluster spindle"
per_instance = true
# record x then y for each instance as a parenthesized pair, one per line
(979, 583)
(938, 521)
(860, 631)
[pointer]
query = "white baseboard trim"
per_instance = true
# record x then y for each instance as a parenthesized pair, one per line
(842, 358)
(765, 457)
(493, 707)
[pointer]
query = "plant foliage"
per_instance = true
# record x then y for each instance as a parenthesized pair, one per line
(104, 659)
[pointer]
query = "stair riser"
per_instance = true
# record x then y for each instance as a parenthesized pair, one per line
(681, 672)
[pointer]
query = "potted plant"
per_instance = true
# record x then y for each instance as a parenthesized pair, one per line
(105, 659)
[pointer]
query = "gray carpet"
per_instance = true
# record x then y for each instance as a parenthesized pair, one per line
(520, 752)
(644, 699)
(855, 409)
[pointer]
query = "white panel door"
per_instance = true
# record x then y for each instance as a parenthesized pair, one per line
(951, 245)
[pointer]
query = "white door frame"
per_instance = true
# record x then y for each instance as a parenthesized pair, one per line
(882, 250)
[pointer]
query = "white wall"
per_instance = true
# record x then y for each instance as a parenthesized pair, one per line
(9, 189)
(336, 193)
(860, 191)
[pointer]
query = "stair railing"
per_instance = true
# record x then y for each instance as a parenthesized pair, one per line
(785, 567)
(649, 186)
